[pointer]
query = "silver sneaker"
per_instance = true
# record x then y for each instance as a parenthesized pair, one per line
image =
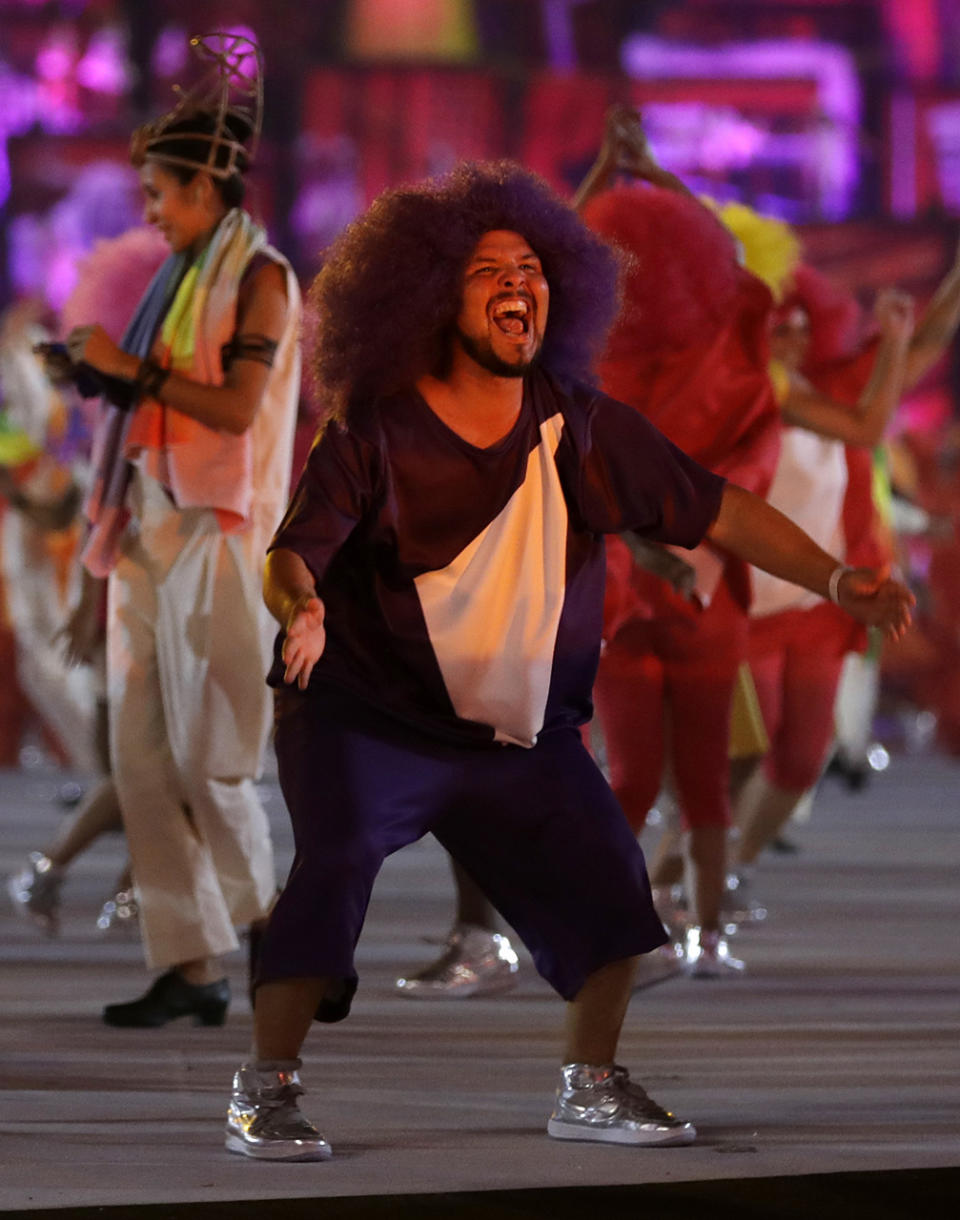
(120, 914)
(35, 892)
(603, 1104)
(264, 1121)
(708, 956)
(475, 961)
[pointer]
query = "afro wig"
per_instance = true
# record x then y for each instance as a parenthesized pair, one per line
(682, 273)
(383, 307)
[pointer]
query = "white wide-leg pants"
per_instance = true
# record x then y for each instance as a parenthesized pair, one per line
(187, 649)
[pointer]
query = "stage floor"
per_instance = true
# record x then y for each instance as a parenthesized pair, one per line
(838, 1052)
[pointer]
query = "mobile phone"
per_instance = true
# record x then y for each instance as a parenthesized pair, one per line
(86, 379)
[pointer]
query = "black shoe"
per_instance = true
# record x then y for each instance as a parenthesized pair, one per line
(171, 996)
(856, 775)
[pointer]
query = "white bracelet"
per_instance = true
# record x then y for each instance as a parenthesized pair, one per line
(833, 584)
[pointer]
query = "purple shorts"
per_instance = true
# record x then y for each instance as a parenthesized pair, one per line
(538, 830)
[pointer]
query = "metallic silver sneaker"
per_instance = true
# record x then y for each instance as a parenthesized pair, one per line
(475, 961)
(603, 1104)
(264, 1121)
(35, 892)
(708, 956)
(120, 914)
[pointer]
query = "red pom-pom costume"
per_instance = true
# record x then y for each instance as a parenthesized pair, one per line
(690, 351)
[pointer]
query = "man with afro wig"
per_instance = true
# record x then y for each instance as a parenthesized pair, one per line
(438, 581)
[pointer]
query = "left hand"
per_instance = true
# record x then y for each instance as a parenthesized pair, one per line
(653, 557)
(92, 345)
(877, 600)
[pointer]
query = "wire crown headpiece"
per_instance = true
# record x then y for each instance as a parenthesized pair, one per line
(229, 57)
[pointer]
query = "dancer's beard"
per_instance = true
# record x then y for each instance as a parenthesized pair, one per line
(482, 353)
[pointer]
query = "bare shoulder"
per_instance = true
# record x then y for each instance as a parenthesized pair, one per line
(263, 292)
(267, 278)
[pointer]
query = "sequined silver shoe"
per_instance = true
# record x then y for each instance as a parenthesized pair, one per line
(120, 915)
(603, 1104)
(707, 956)
(35, 892)
(474, 962)
(264, 1119)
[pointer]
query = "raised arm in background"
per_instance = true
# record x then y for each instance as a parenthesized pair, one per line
(866, 422)
(624, 151)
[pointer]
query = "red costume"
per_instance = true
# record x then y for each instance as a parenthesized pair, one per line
(690, 351)
(797, 651)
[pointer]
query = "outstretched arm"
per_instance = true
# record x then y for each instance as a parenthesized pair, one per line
(752, 529)
(291, 596)
(865, 424)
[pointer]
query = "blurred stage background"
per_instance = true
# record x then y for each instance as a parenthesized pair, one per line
(843, 118)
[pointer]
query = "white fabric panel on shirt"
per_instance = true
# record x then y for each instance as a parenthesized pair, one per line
(809, 487)
(493, 613)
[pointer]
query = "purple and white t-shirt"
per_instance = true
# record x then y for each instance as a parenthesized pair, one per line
(463, 586)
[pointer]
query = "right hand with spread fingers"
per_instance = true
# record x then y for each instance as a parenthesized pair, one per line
(305, 640)
(875, 599)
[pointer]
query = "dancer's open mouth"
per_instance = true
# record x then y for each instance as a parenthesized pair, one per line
(512, 315)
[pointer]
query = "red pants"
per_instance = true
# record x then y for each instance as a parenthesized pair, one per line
(796, 657)
(680, 670)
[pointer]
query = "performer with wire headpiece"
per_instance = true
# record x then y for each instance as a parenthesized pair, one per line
(191, 467)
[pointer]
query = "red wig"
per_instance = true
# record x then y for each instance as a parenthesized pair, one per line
(833, 312)
(681, 277)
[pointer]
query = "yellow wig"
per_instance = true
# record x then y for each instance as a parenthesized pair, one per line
(771, 248)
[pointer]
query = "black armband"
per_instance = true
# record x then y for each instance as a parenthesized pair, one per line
(249, 347)
(149, 380)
